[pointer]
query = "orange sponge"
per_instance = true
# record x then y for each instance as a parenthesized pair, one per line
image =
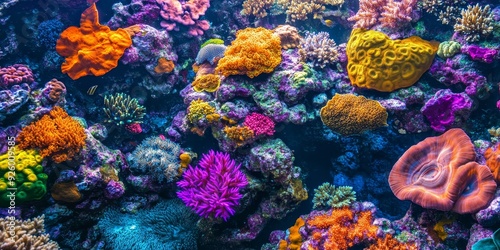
(253, 52)
(349, 114)
(377, 62)
(92, 48)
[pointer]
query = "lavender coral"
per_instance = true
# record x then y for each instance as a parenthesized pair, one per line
(319, 48)
(212, 188)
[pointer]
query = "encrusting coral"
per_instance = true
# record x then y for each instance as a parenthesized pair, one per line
(253, 52)
(377, 62)
(348, 114)
(25, 234)
(92, 48)
(476, 22)
(56, 135)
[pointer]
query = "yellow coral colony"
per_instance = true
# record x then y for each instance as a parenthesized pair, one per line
(377, 62)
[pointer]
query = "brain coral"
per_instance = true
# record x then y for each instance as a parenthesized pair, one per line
(91, 49)
(377, 62)
(254, 51)
(349, 114)
(440, 173)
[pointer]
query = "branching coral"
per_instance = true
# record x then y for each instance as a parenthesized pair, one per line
(318, 48)
(476, 22)
(327, 195)
(92, 48)
(299, 10)
(349, 114)
(253, 52)
(156, 157)
(344, 228)
(55, 135)
(122, 109)
(25, 234)
(256, 8)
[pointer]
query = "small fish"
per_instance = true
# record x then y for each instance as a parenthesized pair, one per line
(92, 89)
(327, 22)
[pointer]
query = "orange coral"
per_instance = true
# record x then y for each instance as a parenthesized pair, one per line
(57, 89)
(349, 114)
(208, 82)
(345, 228)
(253, 52)
(164, 66)
(295, 238)
(240, 135)
(493, 162)
(389, 243)
(377, 62)
(56, 135)
(65, 191)
(92, 48)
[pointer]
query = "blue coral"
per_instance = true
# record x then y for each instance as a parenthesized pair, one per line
(48, 33)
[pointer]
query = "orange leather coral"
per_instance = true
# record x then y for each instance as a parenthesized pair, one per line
(440, 173)
(253, 52)
(493, 162)
(344, 228)
(55, 135)
(377, 62)
(164, 66)
(92, 48)
(349, 114)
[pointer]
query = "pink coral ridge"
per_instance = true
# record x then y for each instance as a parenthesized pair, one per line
(212, 189)
(15, 74)
(186, 13)
(389, 13)
(259, 124)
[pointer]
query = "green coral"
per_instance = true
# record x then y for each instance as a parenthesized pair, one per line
(122, 109)
(327, 195)
(21, 173)
(448, 49)
(212, 41)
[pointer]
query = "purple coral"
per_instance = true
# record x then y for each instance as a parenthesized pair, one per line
(447, 109)
(15, 74)
(213, 187)
(481, 54)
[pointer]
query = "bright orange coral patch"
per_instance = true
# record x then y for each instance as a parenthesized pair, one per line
(92, 48)
(56, 135)
(493, 162)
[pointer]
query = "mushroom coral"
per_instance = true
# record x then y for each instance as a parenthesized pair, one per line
(440, 173)
(92, 48)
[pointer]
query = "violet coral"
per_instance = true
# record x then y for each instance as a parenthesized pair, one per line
(212, 189)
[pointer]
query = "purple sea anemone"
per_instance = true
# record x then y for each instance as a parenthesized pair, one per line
(213, 187)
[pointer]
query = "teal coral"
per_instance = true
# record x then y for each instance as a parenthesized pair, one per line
(492, 243)
(327, 196)
(122, 109)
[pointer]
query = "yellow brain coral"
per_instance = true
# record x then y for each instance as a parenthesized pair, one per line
(199, 110)
(349, 114)
(377, 62)
(92, 48)
(208, 82)
(254, 51)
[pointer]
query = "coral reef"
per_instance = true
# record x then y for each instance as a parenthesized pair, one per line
(476, 22)
(121, 109)
(25, 234)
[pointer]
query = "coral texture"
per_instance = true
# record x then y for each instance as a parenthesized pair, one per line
(253, 52)
(208, 83)
(121, 109)
(440, 173)
(447, 109)
(259, 124)
(15, 74)
(476, 22)
(56, 135)
(328, 196)
(25, 234)
(183, 12)
(377, 62)
(92, 48)
(348, 114)
(318, 48)
(289, 36)
(212, 189)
